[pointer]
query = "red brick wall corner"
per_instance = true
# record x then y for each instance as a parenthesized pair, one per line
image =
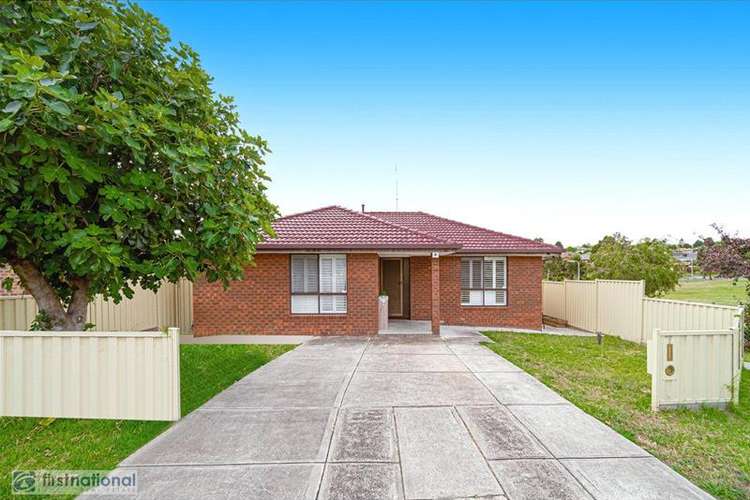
(420, 288)
(261, 302)
(524, 309)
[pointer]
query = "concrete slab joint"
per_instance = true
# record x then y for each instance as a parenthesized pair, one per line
(395, 417)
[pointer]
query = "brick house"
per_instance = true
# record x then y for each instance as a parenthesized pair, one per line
(5, 273)
(323, 271)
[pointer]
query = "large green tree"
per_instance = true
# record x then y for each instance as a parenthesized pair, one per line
(118, 163)
(617, 258)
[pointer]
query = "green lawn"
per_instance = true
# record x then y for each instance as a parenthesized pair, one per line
(710, 447)
(31, 443)
(716, 291)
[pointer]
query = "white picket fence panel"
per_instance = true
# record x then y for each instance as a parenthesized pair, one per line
(109, 375)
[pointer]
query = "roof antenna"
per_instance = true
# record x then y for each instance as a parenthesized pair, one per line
(395, 169)
(363, 208)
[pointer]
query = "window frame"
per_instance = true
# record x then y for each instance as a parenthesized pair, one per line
(318, 293)
(482, 288)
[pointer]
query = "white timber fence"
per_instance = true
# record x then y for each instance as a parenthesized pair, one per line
(171, 306)
(112, 375)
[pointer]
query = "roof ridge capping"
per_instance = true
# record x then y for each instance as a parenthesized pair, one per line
(305, 212)
(555, 248)
(551, 246)
(409, 229)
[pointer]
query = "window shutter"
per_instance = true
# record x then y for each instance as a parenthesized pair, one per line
(304, 274)
(305, 304)
(339, 303)
(326, 304)
(340, 274)
(298, 274)
(488, 273)
(326, 274)
(333, 304)
(476, 273)
(465, 272)
(311, 274)
(500, 274)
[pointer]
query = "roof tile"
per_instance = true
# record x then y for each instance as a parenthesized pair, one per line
(471, 238)
(338, 228)
(343, 229)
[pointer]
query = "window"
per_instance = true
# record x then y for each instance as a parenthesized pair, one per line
(318, 284)
(483, 281)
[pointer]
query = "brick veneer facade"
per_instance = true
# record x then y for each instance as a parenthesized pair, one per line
(7, 272)
(261, 303)
(420, 287)
(524, 309)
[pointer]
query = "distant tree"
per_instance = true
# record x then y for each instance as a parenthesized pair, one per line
(698, 243)
(730, 257)
(559, 244)
(119, 165)
(558, 269)
(616, 257)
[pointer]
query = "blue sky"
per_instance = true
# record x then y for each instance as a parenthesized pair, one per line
(561, 120)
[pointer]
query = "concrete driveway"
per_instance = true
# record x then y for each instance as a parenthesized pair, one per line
(396, 417)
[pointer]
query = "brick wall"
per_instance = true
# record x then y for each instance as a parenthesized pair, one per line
(524, 309)
(7, 272)
(420, 288)
(261, 304)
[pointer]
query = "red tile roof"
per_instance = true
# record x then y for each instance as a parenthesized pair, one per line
(343, 229)
(470, 238)
(338, 228)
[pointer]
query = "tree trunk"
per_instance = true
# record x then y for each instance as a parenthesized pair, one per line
(72, 319)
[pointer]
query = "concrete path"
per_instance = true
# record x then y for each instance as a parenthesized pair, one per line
(412, 417)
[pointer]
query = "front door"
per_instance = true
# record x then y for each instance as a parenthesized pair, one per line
(392, 279)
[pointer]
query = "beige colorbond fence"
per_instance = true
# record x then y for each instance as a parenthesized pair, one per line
(680, 315)
(553, 299)
(608, 306)
(580, 304)
(172, 305)
(114, 375)
(620, 308)
(695, 367)
(694, 350)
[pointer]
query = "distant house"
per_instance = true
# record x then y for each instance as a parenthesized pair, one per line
(323, 271)
(686, 257)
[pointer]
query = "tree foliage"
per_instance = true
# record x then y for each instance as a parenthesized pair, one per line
(558, 268)
(118, 163)
(616, 257)
(729, 257)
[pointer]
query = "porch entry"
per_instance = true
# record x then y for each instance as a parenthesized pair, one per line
(394, 280)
